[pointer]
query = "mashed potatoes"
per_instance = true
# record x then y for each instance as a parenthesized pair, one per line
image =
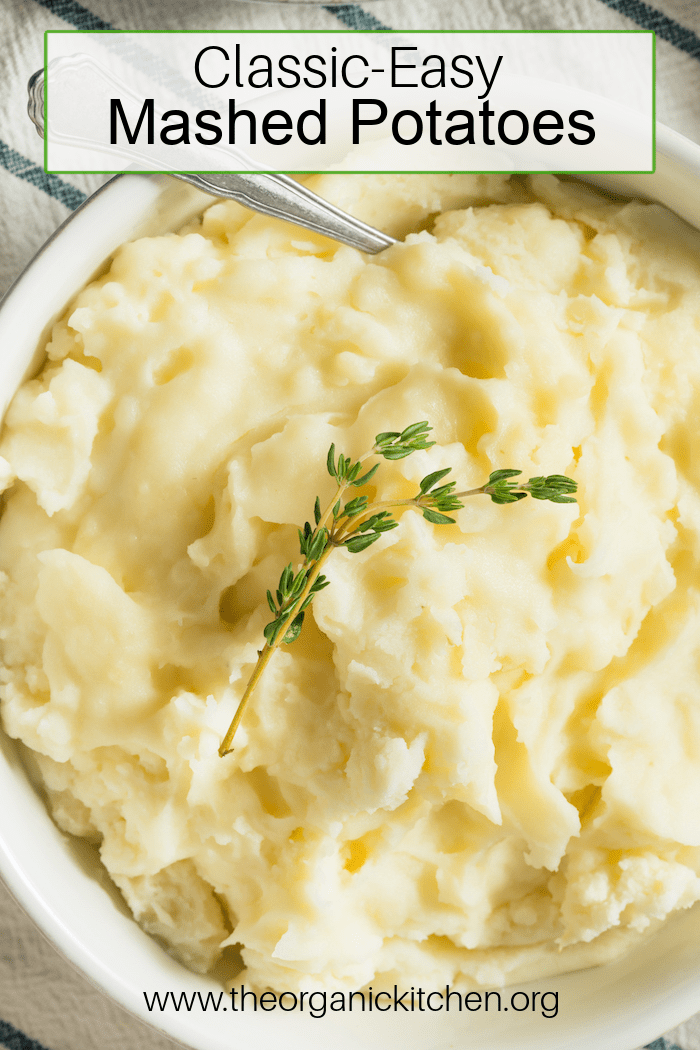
(481, 760)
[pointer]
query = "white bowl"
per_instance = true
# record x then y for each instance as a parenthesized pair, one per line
(618, 1006)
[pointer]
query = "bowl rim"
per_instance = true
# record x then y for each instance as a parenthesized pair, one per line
(673, 149)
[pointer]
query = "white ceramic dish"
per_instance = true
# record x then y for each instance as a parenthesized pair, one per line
(615, 1007)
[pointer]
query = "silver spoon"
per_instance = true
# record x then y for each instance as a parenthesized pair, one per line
(276, 195)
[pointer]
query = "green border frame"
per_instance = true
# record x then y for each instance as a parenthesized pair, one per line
(355, 32)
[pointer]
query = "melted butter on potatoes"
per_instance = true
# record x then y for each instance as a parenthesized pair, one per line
(478, 762)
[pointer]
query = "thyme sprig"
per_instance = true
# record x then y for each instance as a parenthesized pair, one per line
(356, 524)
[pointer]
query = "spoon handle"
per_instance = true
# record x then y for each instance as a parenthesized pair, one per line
(271, 194)
(282, 197)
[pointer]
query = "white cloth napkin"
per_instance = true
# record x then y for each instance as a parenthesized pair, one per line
(44, 1003)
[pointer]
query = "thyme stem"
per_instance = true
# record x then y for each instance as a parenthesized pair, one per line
(358, 524)
(263, 660)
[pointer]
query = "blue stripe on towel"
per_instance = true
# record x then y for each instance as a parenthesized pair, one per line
(25, 169)
(667, 28)
(354, 17)
(350, 15)
(13, 1039)
(75, 13)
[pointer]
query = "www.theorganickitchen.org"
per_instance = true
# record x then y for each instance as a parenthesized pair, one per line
(319, 1003)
